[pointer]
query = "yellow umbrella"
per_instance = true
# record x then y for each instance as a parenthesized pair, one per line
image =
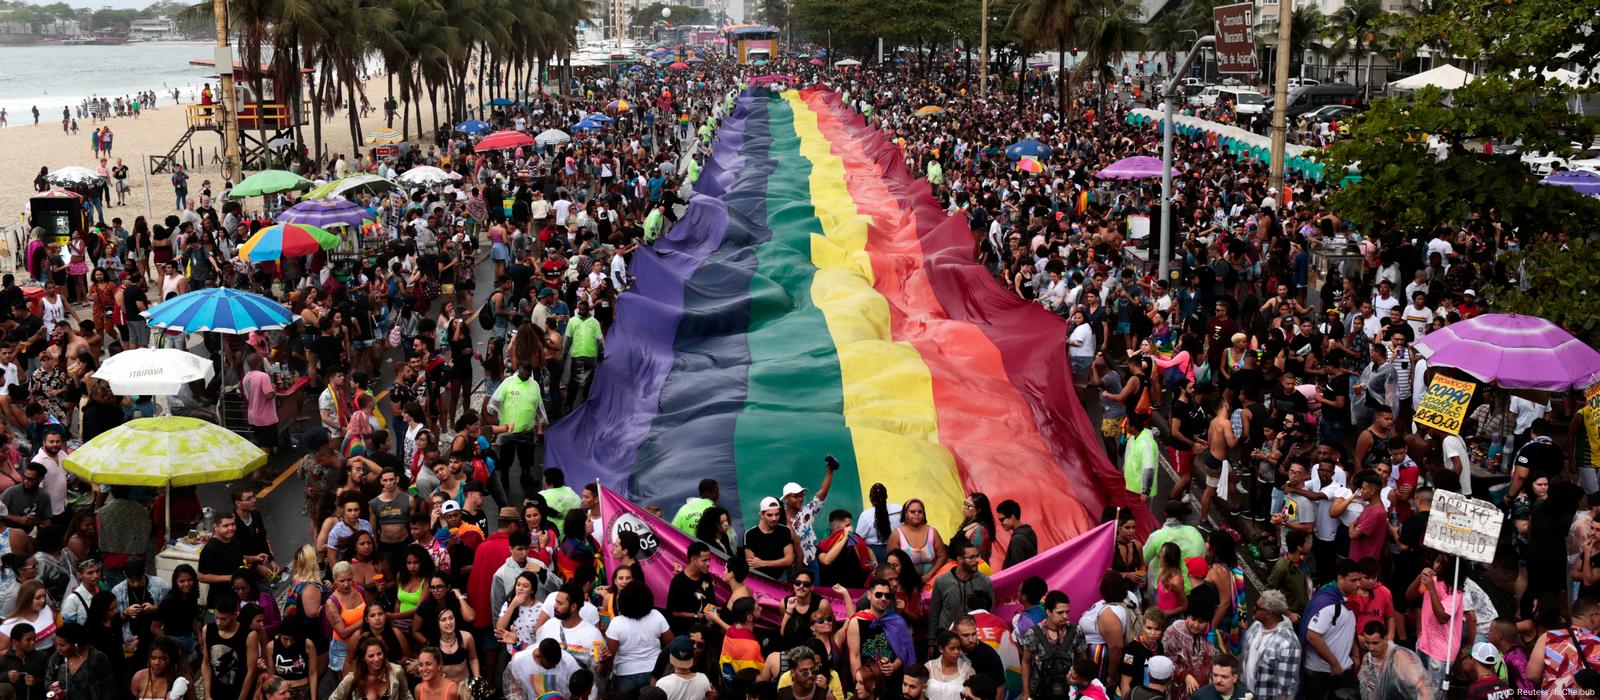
(385, 137)
(165, 451)
(930, 110)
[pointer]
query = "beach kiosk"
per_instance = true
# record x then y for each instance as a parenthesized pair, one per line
(60, 213)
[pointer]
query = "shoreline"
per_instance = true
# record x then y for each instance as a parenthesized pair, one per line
(28, 146)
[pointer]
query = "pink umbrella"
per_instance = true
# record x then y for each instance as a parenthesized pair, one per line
(817, 62)
(769, 79)
(1029, 164)
(1513, 351)
(1134, 168)
(504, 140)
(678, 65)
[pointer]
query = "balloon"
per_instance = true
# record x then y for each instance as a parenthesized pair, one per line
(666, 12)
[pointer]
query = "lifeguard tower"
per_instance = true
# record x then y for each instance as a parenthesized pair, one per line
(264, 120)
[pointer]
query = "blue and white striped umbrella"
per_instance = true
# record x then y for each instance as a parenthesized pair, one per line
(218, 309)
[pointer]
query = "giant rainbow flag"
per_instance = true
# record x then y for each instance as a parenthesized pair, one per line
(815, 299)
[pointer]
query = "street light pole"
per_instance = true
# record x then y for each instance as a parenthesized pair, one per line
(1167, 96)
(983, 50)
(1280, 98)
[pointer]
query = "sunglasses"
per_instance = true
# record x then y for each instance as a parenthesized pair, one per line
(802, 584)
(880, 596)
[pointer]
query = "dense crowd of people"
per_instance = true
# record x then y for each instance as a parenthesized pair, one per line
(1280, 395)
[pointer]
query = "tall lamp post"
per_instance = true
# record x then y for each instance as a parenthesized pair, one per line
(1168, 95)
(230, 102)
(983, 50)
(1280, 98)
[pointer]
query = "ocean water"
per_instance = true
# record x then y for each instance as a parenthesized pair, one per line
(53, 77)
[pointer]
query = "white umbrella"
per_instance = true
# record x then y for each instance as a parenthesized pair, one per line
(847, 62)
(74, 175)
(424, 176)
(148, 372)
(551, 137)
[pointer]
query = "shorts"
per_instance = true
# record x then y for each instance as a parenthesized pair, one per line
(498, 252)
(266, 436)
(1111, 427)
(1081, 365)
(1182, 460)
(362, 344)
(1209, 468)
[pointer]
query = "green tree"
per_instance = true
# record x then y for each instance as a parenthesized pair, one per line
(1306, 26)
(1554, 280)
(1355, 29)
(1105, 30)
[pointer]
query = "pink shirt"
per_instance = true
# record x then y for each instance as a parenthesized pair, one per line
(1434, 638)
(261, 398)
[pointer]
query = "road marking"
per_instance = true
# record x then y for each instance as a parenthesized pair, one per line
(276, 483)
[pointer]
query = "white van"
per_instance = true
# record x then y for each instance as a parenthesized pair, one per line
(1244, 100)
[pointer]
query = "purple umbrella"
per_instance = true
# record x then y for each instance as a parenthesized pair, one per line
(1586, 182)
(1134, 168)
(326, 213)
(1514, 351)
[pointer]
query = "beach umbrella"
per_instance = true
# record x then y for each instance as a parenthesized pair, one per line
(269, 182)
(326, 213)
(599, 118)
(74, 176)
(1134, 168)
(847, 63)
(678, 65)
(551, 137)
(219, 309)
(1027, 147)
(635, 68)
(696, 59)
(503, 140)
(1513, 351)
(618, 106)
(425, 176)
(817, 62)
(1586, 182)
(148, 372)
(473, 126)
(1029, 164)
(501, 102)
(586, 125)
(929, 110)
(293, 240)
(360, 183)
(166, 451)
(58, 193)
(385, 137)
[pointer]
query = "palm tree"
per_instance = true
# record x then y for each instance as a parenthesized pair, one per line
(1164, 35)
(1306, 25)
(1038, 21)
(1355, 27)
(1107, 27)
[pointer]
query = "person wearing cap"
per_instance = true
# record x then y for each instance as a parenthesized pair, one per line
(519, 405)
(769, 546)
(1468, 308)
(802, 514)
(685, 683)
(1480, 667)
(1271, 651)
(1159, 669)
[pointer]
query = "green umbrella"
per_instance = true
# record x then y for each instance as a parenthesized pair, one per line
(361, 183)
(269, 182)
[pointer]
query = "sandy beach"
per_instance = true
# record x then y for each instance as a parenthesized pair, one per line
(24, 149)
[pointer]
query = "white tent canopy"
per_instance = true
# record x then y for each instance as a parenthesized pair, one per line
(1445, 77)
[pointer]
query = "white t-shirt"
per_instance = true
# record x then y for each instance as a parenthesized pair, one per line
(588, 613)
(1327, 525)
(1418, 318)
(582, 640)
(867, 525)
(679, 688)
(1455, 447)
(639, 642)
(1082, 341)
(1337, 634)
(537, 680)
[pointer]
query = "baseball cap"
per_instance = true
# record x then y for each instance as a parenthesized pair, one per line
(681, 652)
(1469, 293)
(1160, 668)
(1485, 653)
(449, 507)
(792, 488)
(546, 293)
(769, 503)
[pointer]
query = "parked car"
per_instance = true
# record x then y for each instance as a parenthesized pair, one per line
(1587, 160)
(1306, 98)
(1330, 113)
(1301, 82)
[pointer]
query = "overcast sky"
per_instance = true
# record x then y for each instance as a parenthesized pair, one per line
(100, 4)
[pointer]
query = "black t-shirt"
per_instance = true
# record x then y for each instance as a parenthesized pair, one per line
(221, 559)
(687, 595)
(27, 326)
(1335, 388)
(328, 350)
(1134, 657)
(1284, 404)
(1219, 335)
(1389, 328)
(11, 297)
(132, 297)
(252, 538)
(845, 570)
(986, 660)
(1541, 457)
(1489, 688)
(769, 546)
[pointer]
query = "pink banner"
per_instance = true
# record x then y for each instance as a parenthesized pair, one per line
(1073, 567)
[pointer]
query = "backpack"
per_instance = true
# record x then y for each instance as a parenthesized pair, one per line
(1130, 627)
(486, 314)
(1327, 595)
